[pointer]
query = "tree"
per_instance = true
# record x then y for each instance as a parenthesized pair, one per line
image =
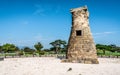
(17, 49)
(38, 46)
(9, 47)
(118, 49)
(0, 48)
(27, 49)
(113, 47)
(101, 47)
(64, 48)
(57, 45)
(46, 50)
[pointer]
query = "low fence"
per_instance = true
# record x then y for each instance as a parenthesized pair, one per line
(61, 56)
(110, 56)
(23, 56)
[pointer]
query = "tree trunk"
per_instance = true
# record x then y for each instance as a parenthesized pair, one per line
(5, 55)
(104, 52)
(55, 50)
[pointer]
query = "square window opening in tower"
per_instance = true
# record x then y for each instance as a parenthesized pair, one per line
(78, 33)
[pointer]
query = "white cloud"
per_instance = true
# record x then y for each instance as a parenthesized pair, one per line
(103, 33)
(43, 10)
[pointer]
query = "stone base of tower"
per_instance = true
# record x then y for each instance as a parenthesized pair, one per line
(85, 61)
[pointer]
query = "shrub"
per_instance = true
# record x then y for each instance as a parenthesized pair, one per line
(20, 53)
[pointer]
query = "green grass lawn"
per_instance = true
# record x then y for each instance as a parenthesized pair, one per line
(108, 53)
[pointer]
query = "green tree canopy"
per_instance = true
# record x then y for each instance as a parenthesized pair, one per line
(58, 45)
(104, 48)
(113, 48)
(9, 47)
(0, 48)
(27, 49)
(38, 46)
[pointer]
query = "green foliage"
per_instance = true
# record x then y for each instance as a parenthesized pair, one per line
(108, 53)
(108, 50)
(111, 48)
(102, 47)
(42, 53)
(0, 48)
(10, 54)
(38, 46)
(9, 48)
(17, 49)
(58, 45)
(48, 51)
(21, 53)
(27, 49)
(114, 48)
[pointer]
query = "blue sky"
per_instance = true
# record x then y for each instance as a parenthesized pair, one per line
(25, 22)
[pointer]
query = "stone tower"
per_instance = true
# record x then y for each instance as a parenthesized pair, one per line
(81, 47)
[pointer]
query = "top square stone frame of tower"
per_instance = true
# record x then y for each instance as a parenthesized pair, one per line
(77, 9)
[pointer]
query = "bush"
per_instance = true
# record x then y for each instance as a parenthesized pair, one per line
(41, 52)
(29, 53)
(20, 53)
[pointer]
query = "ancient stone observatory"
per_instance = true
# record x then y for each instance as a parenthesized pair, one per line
(81, 47)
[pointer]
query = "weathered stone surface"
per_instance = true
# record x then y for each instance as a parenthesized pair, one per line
(81, 47)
